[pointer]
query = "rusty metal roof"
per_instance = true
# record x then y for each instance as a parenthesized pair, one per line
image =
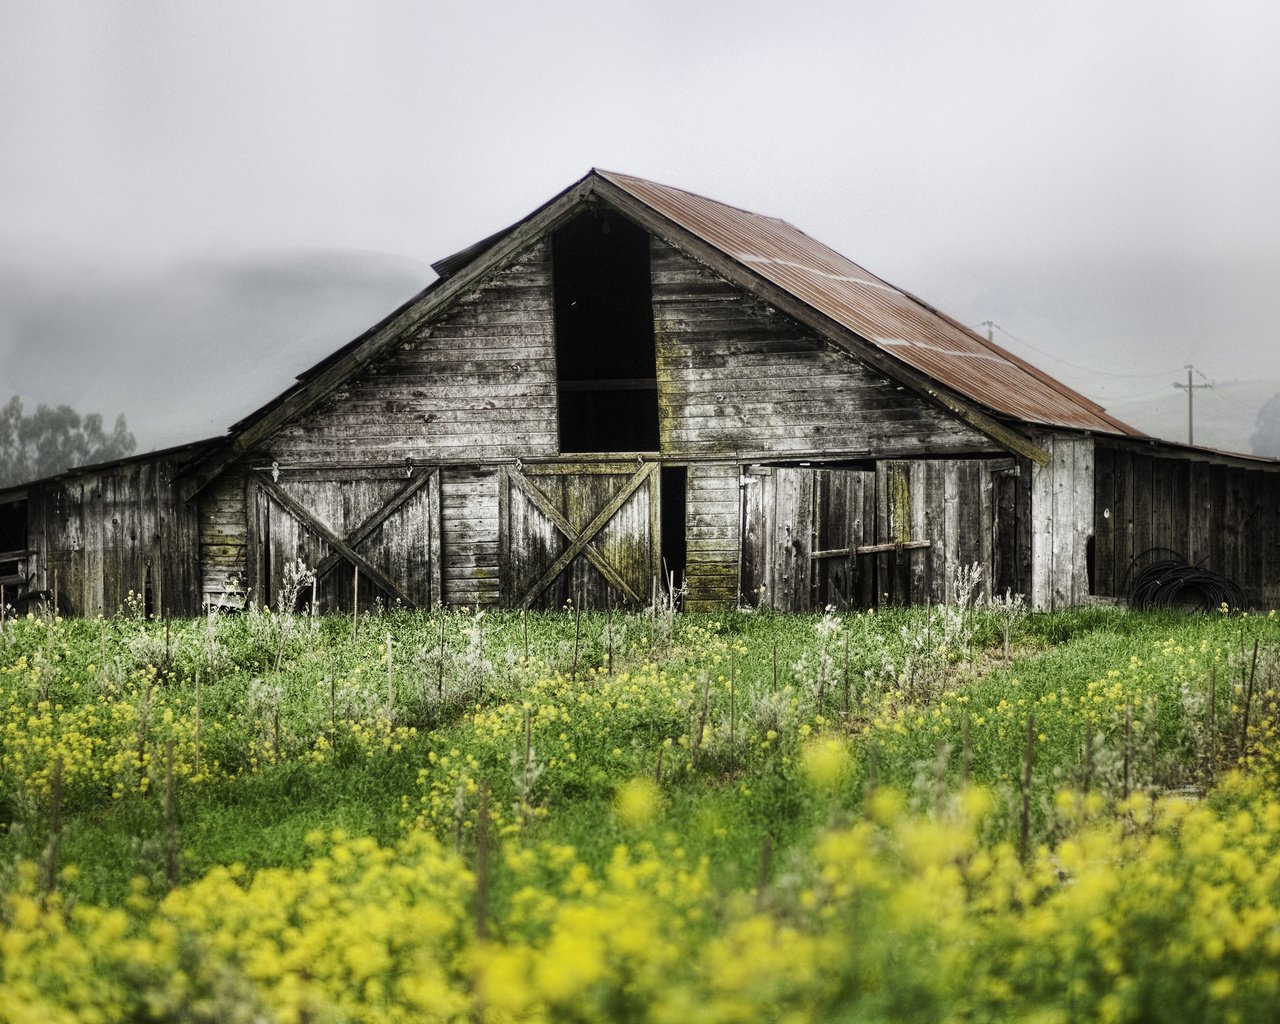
(893, 320)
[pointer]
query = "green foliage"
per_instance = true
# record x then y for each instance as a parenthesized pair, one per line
(52, 440)
(610, 809)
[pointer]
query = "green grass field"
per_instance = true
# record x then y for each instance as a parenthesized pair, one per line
(463, 816)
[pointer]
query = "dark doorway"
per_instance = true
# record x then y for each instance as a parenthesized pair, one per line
(675, 544)
(605, 358)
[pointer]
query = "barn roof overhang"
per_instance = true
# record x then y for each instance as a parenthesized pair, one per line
(1176, 450)
(884, 327)
(184, 454)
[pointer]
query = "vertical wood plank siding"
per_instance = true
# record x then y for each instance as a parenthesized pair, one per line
(1213, 514)
(530, 542)
(968, 511)
(104, 533)
(1062, 522)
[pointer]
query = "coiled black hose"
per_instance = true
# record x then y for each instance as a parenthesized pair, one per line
(1175, 583)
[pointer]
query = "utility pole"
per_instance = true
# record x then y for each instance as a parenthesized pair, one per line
(1191, 390)
(989, 324)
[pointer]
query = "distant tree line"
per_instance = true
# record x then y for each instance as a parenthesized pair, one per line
(54, 439)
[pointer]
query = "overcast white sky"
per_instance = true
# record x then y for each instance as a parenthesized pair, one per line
(199, 200)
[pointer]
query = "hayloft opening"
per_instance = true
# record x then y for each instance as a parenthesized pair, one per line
(606, 364)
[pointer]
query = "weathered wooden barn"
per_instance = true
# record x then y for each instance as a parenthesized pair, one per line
(635, 381)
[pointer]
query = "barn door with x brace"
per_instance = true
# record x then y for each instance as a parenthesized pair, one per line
(579, 531)
(382, 524)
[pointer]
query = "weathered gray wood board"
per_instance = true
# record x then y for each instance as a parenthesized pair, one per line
(386, 524)
(475, 385)
(713, 532)
(1062, 522)
(224, 530)
(893, 533)
(578, 531)
(107, 532)
(469, 520)
(1213, 512)
(738, 378)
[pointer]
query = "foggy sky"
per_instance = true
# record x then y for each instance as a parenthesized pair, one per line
(198, 201)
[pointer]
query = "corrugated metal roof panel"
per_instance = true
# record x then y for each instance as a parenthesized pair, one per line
(895, 321)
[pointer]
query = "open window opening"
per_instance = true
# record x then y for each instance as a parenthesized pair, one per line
(13, 546)
(605, 358)
(675, 544)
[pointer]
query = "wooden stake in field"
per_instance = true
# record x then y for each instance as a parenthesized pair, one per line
(1248, 701)
(766, 863)
(482, 864)
(333, 706)
(1128, 747)
(577, 636)
(1024, 830)
(355, 603)
(1088, 756)
(528, 748)
(733, 718)
(171, 864)
(198, 675)
(391, 693)
(873, 777)
(940, 758)
(609, 627)
(440, 662)
(55, 832)
(846, 677)
(1213, 720)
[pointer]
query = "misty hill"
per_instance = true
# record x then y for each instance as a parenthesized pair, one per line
(1225, 417)
(185, 350)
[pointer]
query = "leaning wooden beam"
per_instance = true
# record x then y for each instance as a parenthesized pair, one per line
(871, 549)
(290, 505)
(580, 541)
(362, 532)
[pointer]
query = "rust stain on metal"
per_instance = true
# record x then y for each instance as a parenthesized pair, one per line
(897, 322)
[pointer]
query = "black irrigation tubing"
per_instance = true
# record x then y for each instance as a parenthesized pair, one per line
(1174, 583)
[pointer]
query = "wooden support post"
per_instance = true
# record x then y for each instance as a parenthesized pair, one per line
(1024, 829)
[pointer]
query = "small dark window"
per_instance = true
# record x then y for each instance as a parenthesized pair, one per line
(675, 545)
(605, 358)
(13, 539)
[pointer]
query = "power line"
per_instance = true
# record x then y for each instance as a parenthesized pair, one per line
(1191, 389)
(989, 324)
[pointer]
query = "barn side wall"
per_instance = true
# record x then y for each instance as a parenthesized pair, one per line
(472, 396)
(881, 533)
(1207, 509)
(97, 535)
(1062, 504)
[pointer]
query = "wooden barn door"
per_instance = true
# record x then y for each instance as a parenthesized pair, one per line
(579, 531)
(801, 531)
(384, 525)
